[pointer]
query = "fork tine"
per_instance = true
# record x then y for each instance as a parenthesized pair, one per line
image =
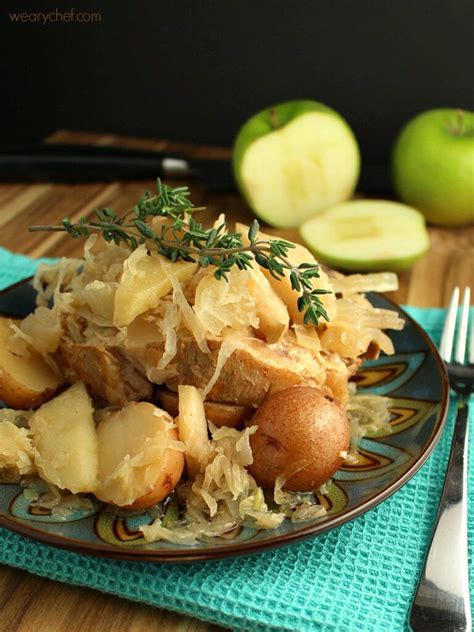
(446, 346)
(462, 334)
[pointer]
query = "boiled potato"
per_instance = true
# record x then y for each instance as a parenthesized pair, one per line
(271, 310)
(299, 425)
(192, 427)
(140, 457)
(283, 288)
(219, 413)
(26, 380)
(145, 280)
(65, 441)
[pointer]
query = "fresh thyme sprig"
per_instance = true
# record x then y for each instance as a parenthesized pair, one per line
(181, 237)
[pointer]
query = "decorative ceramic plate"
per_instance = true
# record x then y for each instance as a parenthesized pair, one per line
(414, 378)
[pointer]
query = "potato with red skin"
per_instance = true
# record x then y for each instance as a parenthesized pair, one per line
(299, 424)
(140, 459)
(26, 379)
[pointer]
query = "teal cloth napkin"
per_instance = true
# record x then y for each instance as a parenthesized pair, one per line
(360, 577)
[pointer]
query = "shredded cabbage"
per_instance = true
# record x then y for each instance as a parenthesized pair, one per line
(76, 301)
(41, 330)
(169, 326)
(357, 325)
(219, 305)
(227, 348)
(49, 277)
(16, 449)
(189, 316)
(221, 497)
(368, 413)
(59, 503)
(298, 506)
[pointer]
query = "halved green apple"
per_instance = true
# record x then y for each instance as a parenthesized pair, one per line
(295, 159)
(367, 235)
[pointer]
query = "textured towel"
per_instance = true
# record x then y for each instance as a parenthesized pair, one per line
(360, 577)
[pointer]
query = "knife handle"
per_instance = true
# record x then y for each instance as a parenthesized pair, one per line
(85, 163)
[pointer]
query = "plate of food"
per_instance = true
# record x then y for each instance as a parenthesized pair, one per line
(185, 393)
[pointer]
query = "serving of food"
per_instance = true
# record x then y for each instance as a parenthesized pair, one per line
(197, 385)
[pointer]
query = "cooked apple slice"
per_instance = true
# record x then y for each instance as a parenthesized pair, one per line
(367, 235)
(26, 380)
(65, 441)
(145, 280)
(272, 313)
(192, 427)
(140, 457)
(298, 254)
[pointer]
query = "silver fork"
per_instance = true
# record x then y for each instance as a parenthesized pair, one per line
(442, 600)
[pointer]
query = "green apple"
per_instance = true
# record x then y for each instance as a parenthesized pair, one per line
(365, 235)
(295, 159)
(433, 166)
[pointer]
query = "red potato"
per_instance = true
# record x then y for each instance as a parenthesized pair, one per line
(299, 424)
(26, 380)
(140, 458)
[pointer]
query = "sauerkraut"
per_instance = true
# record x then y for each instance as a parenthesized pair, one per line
(369, 414)
(16, 450)
(222, 497)
(78, 301)
(49, 499)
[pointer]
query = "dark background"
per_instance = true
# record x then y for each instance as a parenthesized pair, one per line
(196, 69)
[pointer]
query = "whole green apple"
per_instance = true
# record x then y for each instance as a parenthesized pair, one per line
(295, 159)
(433, 165)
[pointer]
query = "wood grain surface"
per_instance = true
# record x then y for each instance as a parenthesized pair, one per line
(29, 603)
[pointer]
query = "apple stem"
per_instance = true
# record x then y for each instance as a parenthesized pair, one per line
(457, 127)
(274, 119)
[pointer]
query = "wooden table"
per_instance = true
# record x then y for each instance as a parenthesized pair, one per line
(30, 603)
